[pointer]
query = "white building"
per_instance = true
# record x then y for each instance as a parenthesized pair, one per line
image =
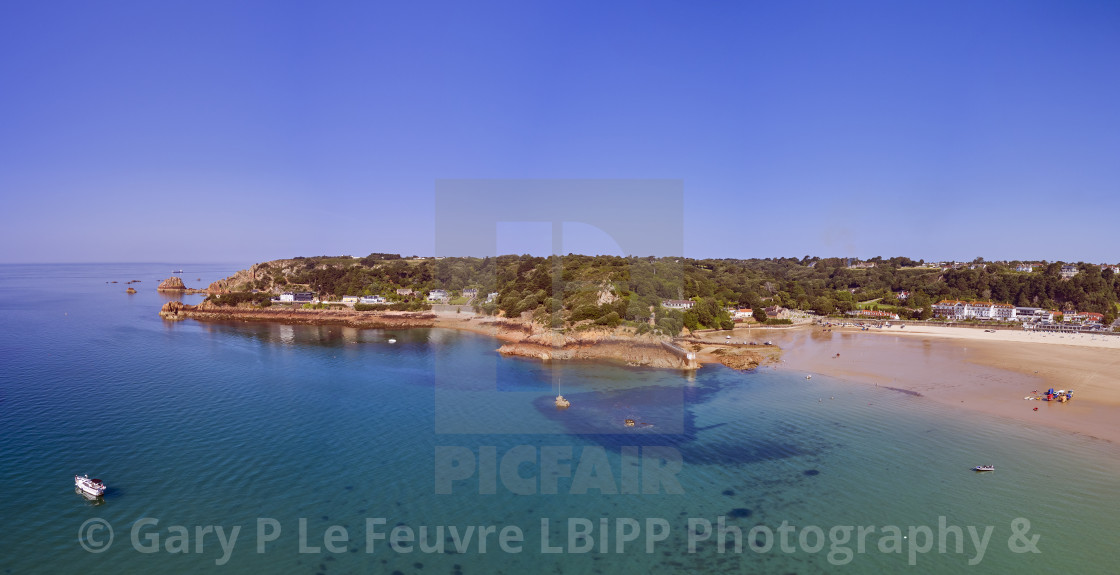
(1069, 271)
(678, 303)
(950, 309)
(287, 297)
(349, 299)
(1032, 314)
(982, 310)
(372, 299)
(978, 310)
(491, 296)
(437, 295)
(743, 313)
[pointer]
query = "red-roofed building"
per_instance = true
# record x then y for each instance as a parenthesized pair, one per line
(743, 313)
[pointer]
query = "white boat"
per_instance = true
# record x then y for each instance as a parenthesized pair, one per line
(94, 487)
(984, 468)
(561, 402)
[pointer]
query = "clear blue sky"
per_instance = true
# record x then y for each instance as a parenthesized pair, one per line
(245, 131)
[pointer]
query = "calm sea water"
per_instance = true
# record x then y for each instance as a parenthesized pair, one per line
(317, 431)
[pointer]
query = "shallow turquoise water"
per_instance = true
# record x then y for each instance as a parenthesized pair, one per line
(258, 426)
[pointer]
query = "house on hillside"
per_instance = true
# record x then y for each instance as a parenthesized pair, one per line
(678, 303)
(437, 295)
(373, 299)
(742, 314)
(491, 296)
(350, 299)
(470, 293)
(404, 292)
(777, 312)
(1069, 270)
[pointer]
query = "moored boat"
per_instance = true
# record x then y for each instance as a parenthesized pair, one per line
(984, 468)
(94, 487)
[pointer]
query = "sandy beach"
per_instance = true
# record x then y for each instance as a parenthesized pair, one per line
(990, 373)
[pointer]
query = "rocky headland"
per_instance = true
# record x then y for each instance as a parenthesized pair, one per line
(520, 337)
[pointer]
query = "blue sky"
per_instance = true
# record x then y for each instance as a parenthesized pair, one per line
(246, 131)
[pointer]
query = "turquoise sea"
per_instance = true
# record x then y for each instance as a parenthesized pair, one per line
(308, 441)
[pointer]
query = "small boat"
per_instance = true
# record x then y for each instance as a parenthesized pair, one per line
(630, 423)
(984, 468)
(177, 272)
(392, 340)
(561, 402)
(94, 487)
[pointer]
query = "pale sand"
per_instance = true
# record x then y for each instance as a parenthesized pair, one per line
(989, 373)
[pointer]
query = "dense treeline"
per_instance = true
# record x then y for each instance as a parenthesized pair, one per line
(236, 298)
(609, 290)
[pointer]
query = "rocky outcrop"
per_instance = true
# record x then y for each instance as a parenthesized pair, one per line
(130, 290)
(260, 276)
(173, 283)
(240, 281)
(629, 352)
(173, 311)
(604, 343)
